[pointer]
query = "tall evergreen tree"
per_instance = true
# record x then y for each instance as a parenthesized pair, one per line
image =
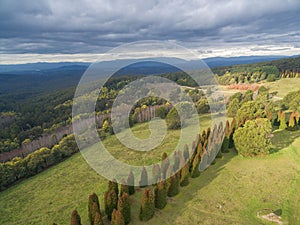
(130, 183)
(282, 121)
(124, 207)
(113, 185)
(117, 218)
(98, 219)
(160, 193)
(173, 185)
(124, 187)
(147, 206)
(292, 121)
(184, 175)
(93, 207)
(195, 166)
(75, 218)
(110, 202)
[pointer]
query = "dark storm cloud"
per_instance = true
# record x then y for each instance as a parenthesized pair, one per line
(95, 26)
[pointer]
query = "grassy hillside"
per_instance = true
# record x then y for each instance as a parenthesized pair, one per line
(283, 86)
(229, 192)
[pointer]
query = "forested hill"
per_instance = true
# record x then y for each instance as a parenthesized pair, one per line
(285, 64)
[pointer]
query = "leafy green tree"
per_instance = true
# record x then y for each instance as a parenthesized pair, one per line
(110, 202)
(271, 78)
(160, 193)
(203, 106)
(233, 107)
(147, 206)
(254, 139)
(75, 218)
(117, 218)
(249, 111)
(162, 112)
(178, 115)
(124, 207)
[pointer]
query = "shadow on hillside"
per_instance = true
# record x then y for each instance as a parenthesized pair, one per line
(178, 204)
(283, 139)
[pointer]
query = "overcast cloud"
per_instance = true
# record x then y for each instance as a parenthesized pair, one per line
(210, 27)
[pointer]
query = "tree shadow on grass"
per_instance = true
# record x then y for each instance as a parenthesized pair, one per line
(283, 139)
(176, 205)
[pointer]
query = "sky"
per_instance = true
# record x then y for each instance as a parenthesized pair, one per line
(65, 30)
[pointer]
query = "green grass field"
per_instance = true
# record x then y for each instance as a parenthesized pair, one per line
(283, 86)
(229, 192)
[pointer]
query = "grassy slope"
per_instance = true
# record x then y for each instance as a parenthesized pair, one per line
(283, 86)
(51, 195)
(240, 186)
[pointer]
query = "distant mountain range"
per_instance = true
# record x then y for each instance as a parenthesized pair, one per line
(43, 68)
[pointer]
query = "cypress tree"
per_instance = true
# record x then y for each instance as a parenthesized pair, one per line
(297, 118)
(113, 185)
(144, 178)
(75, 218)
(117, 218)
(147, 206)
(110, 202)
(173, 185)
(98, 219)
(93, 207)
(124, 187)
(130, 183)
(292, 121)
(282, 121)
(225, 145)
(184, 175)
(124, 207)
(160, 193)
(232, 129)
(195, 166)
